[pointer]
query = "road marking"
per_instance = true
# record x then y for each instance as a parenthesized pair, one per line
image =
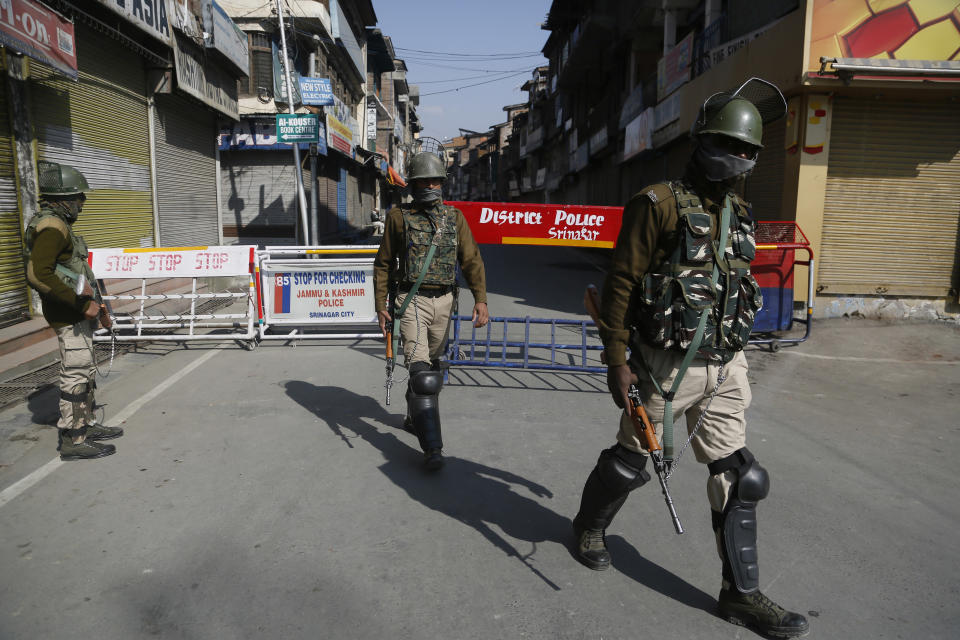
(33, 478)
(858, 359)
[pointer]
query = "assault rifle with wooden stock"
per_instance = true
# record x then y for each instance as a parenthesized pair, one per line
(641, 422)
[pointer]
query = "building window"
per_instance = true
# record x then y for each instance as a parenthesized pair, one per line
(261, 64)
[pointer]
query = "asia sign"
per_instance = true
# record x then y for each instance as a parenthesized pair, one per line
(331, 293)
(542, 224)
(293, 127)
(149, 16)
(39, 32)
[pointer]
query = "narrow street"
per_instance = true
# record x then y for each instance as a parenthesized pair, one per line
(271, 494)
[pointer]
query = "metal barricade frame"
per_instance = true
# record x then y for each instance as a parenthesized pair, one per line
(145, 326)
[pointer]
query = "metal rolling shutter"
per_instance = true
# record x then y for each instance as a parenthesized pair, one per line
(764, 188)
(99, 125)
(13, 284)
(259, 193)
(185, 134)
(892, 206)
(353, 201)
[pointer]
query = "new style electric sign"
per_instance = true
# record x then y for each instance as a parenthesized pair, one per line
(567, 225)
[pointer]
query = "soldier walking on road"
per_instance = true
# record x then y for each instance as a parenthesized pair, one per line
(57, 268)
(422, 243)
(680, 295)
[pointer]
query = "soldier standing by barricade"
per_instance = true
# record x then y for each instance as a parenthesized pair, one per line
(422, 243)
(679, 293)
(57, 268)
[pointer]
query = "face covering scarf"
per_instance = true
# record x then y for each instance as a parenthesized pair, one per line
(718, 165)
(427, 196)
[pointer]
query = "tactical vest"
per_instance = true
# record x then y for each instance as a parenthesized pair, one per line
(70, 270)
(419, 233)
(675, 293)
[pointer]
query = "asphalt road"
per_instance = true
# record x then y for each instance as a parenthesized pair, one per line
(271, 494)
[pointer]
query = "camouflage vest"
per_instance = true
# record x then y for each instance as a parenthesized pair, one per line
(674, 294)
(419, 233)
(70, 270)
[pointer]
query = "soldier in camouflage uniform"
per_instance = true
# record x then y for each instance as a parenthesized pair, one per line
(410, 230)
(666, 275)
(57, 268)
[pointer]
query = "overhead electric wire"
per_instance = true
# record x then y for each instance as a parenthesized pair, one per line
(475, 84)
(519, 54)
(471, 77)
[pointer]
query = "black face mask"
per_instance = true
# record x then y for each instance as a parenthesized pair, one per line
(425, 195)
(718, 164)
(70, 207)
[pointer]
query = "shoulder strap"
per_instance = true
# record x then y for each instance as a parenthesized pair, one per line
(694, 344)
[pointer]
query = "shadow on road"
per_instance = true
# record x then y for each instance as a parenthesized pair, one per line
(477, 495)
(629, 562)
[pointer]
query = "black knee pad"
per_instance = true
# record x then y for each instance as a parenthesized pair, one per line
(622, 470)
(738, 522)
(426, 383)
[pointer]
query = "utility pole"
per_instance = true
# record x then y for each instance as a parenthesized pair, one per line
(301, 194)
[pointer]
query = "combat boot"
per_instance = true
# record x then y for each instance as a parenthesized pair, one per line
(86, 450)
(433, 459)
(760, 613)
(592, 547)
(97, 431)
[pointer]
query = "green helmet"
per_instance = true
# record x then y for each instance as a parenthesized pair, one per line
(426, 165)
(60, 180)
(732, 117)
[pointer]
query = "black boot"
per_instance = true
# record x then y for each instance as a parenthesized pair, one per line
(592, 547)
(617, 473)
(760, 613)
(86, 450)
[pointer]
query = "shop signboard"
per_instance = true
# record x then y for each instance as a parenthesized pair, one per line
(225, 36)
(261, 134)
(39, 32)
(298, 127)
(316, 91)
(149, 16)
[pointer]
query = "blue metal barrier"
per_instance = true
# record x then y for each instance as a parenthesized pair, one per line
(526, 353)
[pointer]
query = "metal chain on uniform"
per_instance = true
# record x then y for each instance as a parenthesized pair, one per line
(93, 354)
(721, 376)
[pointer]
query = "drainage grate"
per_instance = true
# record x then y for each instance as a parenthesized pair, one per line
(25, 385)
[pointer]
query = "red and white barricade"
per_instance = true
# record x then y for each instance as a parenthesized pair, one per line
(181, 292)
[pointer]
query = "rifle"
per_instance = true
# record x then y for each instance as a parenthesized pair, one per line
(641, 422)
(391, 362)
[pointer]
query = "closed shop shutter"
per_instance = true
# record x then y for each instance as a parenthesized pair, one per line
(13, 284)
(99, 125)
(259, 196)
(764, 188)
(353, 201)
(326, 200)
(892, 202)
(185, 134)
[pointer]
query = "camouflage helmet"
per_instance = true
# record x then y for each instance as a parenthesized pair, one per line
(741, 113)
(426, 165)
(60, 180)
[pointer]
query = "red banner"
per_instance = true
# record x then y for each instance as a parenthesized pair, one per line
(39, 32)
(568, 225)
